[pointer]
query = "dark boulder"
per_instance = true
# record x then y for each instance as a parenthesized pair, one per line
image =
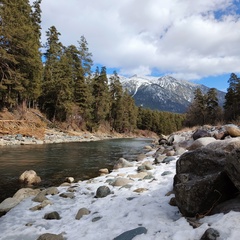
(200, 133)
(200, 182)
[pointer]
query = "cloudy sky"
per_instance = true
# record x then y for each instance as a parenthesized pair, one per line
(191, 40)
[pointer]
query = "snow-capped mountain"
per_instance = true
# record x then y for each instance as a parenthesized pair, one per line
(164, 93)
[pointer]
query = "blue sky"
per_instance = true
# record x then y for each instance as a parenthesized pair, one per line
(191, 40)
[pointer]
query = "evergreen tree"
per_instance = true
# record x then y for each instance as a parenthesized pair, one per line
(116, 94)
(214, 112)
(52, 73)
(232, 98)
(101, 106)
(20, 57)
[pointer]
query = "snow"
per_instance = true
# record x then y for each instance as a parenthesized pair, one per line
(119, 212)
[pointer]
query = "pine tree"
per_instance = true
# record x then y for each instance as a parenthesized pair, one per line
(52, 73)
(20, 59)
(232, 98)
(214, 112)
(101, 106)
(116, 94)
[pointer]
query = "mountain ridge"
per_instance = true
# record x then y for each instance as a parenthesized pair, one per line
(164, 93)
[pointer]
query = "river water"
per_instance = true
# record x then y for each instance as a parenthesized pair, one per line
(54, 162)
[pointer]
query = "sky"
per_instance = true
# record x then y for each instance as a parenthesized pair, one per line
(191, 40)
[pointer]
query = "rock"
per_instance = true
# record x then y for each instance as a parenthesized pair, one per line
(232, 130)
(179, 151)
(227, 206)
(25, 193)
(168, 159)
(52, 215)
(172, 202)
(233, 167)
(21, 194)
(69, 179)
(50, 236)
(166, 173)
(96, 219)
(8, 204)
(122, 163)
(140, 157)
(103, 191)
(40, 197)
(29, 177)
(200, 133)
(121, 182)
(51, 191)
(159, 159)
(129, 235)
(210, 234)
(103, 171)
(200, 182)
(201, 142)
(82, 212)
(67, 195)
(41, 206)
(227, 145)
(140, 175)
(170, 153)
(140, 190)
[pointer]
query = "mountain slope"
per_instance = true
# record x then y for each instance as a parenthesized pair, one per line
(164, 93)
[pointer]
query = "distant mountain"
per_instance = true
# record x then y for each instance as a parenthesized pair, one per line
(164, 93)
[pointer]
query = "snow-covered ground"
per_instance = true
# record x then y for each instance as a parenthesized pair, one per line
(124, 209)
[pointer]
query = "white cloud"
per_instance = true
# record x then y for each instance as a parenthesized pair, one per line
(181, 37)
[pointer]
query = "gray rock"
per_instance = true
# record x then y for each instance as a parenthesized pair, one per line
(201, 142)
(201, 182)
(52, 191)
(96, 219)
(122, 163)
(121, 182)
(40, 197)
(52, 215)
(8, 204)
(50, 236)
(166, 173)
(129, 235)
(140, 157)
(67, 195)
(82, 212)
(200, 133)
(103, 191)
(168, 159)
(210, 234)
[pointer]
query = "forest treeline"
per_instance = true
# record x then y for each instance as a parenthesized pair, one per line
(59, 81)
(64, 86)
(205, 108)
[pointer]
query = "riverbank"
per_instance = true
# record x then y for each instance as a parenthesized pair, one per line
(129, 205)
(32, 128)
(135, 200)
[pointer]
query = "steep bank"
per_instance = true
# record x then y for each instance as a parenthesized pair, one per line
(31, 127)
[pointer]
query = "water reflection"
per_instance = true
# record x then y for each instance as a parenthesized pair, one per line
(54, 162)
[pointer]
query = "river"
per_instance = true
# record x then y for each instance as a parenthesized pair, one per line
(54, 162)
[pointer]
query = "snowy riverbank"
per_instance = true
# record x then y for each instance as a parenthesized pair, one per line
(140, 203)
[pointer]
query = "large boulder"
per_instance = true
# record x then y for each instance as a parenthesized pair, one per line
(29, 177)
(201, 142)
(200, 182)
(232, 130)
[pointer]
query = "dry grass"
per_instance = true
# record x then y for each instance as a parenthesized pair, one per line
(29, 125)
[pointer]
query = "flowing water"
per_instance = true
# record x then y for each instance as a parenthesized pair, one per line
(54, 162)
